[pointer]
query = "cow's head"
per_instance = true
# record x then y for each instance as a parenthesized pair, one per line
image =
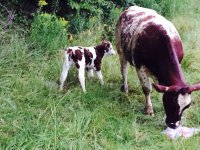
(108, 48)
(175, 99)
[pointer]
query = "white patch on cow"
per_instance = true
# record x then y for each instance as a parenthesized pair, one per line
(81, 73)
(111, 50)
(138, 24)
(183, 100)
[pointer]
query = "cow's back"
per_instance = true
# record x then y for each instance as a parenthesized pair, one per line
(141, 33)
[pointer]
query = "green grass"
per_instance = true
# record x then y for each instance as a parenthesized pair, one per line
(35, 115)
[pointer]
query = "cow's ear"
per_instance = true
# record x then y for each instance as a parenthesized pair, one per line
(195, 87)
(104, 40)
(165, 89)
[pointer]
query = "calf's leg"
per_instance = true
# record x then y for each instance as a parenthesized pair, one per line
(147, 88)
(100, 77)
(66, 66)
(81, 75)
(90, 73)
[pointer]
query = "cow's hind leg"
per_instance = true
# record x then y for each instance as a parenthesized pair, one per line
(81, 73)
(124, 72)
(66, 66)
(147, 88)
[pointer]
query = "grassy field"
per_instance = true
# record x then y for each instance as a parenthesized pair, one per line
(35, 115)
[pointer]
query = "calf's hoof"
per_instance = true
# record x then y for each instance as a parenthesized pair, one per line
(149, 111)
(60, 89)
(102, 82)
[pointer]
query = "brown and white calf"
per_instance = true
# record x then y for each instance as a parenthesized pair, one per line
(152, 44)
(88, 58)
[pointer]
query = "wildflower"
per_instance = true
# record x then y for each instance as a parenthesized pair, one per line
(70, 38)
(42, 3)
(89, 32)
(45, 15)
(63, 22)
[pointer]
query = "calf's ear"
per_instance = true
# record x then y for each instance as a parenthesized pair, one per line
(195, 87)
(164, 89)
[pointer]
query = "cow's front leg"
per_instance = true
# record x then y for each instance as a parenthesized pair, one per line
(100, 77)
(90, 73)
(81, 75)
(147, 88)
(124, 72)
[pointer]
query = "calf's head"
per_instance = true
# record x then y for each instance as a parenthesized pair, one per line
(108, 48)
(175, 99)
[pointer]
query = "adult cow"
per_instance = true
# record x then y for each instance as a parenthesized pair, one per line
(152, 44)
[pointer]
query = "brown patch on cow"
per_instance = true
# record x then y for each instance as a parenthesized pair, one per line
(100, 51)
(128, 18)
(88, 57)
(107, 45)
(138, 14)
(80, 47)
(68, 51)
(145, 19)
(77, 56)
(97, 63)
(77, 65)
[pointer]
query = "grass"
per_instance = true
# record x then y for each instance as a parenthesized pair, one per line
(34, 115)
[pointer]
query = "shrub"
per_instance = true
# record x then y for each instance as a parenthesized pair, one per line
(48, 32)
(110, 23)
(165, 7)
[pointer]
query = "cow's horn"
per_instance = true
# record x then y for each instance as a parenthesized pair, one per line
(195, 87)
(164, 89)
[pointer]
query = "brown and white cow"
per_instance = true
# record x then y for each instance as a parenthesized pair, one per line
(88, 58)
(152, 44)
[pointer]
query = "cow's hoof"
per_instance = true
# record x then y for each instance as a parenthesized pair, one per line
(149, 111)
(124, 88)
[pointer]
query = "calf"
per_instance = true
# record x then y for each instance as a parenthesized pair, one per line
(88, 58)
(152, 44)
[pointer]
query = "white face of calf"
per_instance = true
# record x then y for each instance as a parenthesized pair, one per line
(109, 49)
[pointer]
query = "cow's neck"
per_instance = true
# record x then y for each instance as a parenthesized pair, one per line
(170, 70)
(100, 51)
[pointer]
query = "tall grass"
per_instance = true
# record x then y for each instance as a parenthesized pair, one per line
(34, 115)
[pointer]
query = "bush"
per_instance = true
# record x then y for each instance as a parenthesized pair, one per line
(110, 23)
(166, 8)
(48, 32)
(78, 23)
